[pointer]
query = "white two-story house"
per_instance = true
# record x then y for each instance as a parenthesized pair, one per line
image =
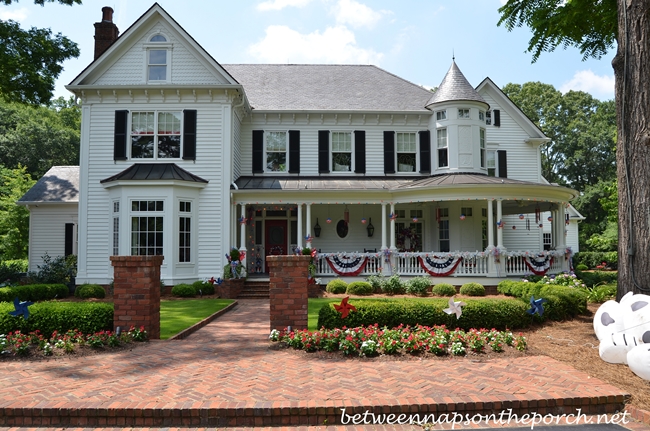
(185, 157)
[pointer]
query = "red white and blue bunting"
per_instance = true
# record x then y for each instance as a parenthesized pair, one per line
(439, 266)
(539, 265)
(347, 265)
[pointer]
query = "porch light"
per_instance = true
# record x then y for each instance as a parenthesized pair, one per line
(317, 229)
(370, 228)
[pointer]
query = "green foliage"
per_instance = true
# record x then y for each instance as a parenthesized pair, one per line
(33, 292)
(593, 259)
(205, 287)
(336, 286)
(478, 313)
(590, 201)
(600, 293)
(591, 279)
(418, 286)
(184, 290)
(472, 289)
(582, 267)
(607, 240)
(86, 291)
(55, 270)
(563, 302)
(359, 288)
(376, 281)
(14, 219)
(87, 317)
(394, 285)
(443, 289)
(10, 270)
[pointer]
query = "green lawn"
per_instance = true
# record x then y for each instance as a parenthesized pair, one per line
(176, 316)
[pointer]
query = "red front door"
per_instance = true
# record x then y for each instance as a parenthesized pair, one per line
(276, 237)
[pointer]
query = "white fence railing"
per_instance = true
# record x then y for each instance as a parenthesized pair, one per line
(516, 263)
(373, 264)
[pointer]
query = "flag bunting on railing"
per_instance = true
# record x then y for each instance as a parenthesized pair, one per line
(347, 265)
(439, 266)
(539, 265)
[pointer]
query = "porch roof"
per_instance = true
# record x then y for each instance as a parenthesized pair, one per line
(154, 171)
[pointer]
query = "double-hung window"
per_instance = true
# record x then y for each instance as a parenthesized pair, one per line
(443, 153)
(443, 229)
(185, 232)
(463, 113)
(441, 115)
(491, 163)
(147, 228)
(406, 152)
(156, 135)
(276, 151)
(341, 151)
(158, 54)
(482, 146)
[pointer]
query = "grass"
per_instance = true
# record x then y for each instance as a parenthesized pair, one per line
(176, 316)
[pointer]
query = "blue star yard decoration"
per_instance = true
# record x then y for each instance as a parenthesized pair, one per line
(536, 306)
(21, 308)
(454, 307)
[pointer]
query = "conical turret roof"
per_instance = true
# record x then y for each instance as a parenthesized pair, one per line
(455, 87)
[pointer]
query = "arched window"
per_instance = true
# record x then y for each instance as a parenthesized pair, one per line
(158, 38)
(157, 59)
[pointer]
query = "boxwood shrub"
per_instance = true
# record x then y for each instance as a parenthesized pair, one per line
(563, 302)
(418, 286)
(478, 313)
(443, 289)
(50, 316)
(336, 286)
(393, 285)
(184, 290)
(205, 287)
(472, 289)
(86, 291)
(33, 292)
(359, 288)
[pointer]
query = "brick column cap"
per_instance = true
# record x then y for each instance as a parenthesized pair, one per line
(137, 260)
(288, 258)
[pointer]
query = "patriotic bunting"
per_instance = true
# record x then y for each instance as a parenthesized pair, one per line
(439, 267)
(539, 265)
(347, 265)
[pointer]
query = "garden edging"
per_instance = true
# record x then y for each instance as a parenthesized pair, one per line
(187, 332)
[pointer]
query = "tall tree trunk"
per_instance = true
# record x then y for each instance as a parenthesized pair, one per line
(632, 72)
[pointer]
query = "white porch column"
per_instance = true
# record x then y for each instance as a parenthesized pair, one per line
(392, 228)
(500, 219)
(299, 244)
(490, 225)
(383, 226)
(242, 234)
(308, 225)
(561, 225)
(554, 230)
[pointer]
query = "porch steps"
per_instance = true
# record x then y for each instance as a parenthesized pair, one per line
(255, 289)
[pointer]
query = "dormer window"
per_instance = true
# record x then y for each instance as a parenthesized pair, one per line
(463, 113)
(158, 56)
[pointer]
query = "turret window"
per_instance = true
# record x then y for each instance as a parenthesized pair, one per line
(443, 153)
(482, 142)
(441, 115)
(463, 113)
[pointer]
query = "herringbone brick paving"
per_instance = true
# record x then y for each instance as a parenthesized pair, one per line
(225, 374)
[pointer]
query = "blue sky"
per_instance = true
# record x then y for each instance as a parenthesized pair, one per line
(414, 39)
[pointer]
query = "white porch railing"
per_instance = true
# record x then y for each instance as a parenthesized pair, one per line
(516, 262)
(373, 265)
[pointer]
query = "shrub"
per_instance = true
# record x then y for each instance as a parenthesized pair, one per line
(443, 289)
(582, 267)
(418, 286)
(594, 258)
(33, 292)
(600, 293)
(563, 302)
(591, 279)
(472, 289)
(359, 288)
(336, 286)
(205, 287)
(184, 290)
(86, 291)
(569, 280)
(376, 281)
(11, 270)
(394, 285)
(55, 270)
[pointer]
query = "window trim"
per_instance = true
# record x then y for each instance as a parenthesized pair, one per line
(146, 213)
(155, 135)
(352, 152)
(265, 162)
(158, 46)
(416, 167)
(445, 148)
(186, 215)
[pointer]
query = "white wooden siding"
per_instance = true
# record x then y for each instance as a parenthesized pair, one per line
(47, 231)
(521, 239)
(236, 147)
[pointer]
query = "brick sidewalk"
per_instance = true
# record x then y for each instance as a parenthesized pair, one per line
(225, 375)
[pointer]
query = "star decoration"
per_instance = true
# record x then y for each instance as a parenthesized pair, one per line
(216, 281)
(344, 308)
(536, 306)
(21, 308)
(454, 307)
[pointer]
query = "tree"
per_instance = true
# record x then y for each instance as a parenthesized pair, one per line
(30, 60)
(593, 27)
(14, 219)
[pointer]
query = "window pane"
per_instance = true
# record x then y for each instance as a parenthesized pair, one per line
(442, 138)
(406, 162)
(276, 141)
(169, 147)
(169, 123)
(442, 158)
(342, 141)
(142, 123)
(491, 159)
(276, 162)
(158, 38)
(341, 162)
(157, 73)
(142, 147)
(157, 56)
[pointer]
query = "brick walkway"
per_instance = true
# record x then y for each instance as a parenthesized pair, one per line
(225, 375)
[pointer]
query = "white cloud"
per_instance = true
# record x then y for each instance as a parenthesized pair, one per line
(599, 86)
(356, 14)
(336, 45)
(281, 4)
(18, 15)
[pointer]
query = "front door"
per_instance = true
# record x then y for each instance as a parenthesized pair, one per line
(276, 237)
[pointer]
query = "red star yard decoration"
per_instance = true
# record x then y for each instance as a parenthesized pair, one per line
(344, 308)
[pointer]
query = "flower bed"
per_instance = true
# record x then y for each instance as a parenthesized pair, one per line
(373, 340)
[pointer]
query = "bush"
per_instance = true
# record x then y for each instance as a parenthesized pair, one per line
(11, 270)
(376, 281)
(33, 292)
(184, 290)
(359, 288)
(594, 258)
(591, 279)
(394, 285)
(205, 287)
(600, 293)
(478, 313)
(563, 302)
(418, 286)
(86, 291)
(87, 317)
(443, 289)
(582, 267)
(336, 286)
(55, 270)
(472, 289)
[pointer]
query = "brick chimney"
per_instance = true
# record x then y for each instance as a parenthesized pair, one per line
(105, 32)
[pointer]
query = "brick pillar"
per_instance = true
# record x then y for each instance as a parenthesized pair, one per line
(288, 291)
(136, 293)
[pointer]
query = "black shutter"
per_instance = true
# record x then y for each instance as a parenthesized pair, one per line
(258, 151)
(425, 152)
(69, 238)
(294, 151)
(189, 134)
(503, 164)
(323, 151)
(119, 141)
(496, 116)
(360, 151)
(389, 152)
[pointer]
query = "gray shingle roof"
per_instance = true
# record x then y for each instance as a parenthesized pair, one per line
(155, 171)
(455, 87)
(319, 183)
(59, 185)
(296, 87)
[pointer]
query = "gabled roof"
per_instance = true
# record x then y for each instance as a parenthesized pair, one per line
(154, 172)
(59, 185)
(455, 87)
(298, 87)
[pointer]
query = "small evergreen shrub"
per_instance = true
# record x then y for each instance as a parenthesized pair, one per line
(582, 267)
(55, 270)
(394, 285)
(376, 281)
(418, 286)
(184, 290)
(472, 289)
(336, 286)
(359, 288)
(86, 291)
(443, 289)
(205, 287)
(33, 292)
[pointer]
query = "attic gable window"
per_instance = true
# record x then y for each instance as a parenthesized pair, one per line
(158, 56)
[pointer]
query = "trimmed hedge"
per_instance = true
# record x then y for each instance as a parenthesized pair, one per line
(359, 288)
(86, 291)
(34, 292)
(205, 287)
(336, 286)
(472, 289)
(478, 313)
(87, 317)
(595, 258)
(443, 289)
(563, 302)
(591, 279)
